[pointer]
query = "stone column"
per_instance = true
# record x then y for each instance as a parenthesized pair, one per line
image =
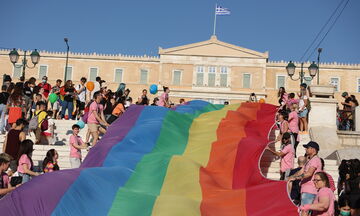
(322, 119)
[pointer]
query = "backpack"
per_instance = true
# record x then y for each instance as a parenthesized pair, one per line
(44, 125)
(85, 117)
(34, 122)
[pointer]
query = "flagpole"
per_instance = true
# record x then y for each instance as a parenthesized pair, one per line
(215, 20)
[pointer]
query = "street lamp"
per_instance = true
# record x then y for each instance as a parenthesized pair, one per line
(14, 57)
(67, 58)
(313, 70)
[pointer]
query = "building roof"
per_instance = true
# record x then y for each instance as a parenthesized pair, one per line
(213, 47)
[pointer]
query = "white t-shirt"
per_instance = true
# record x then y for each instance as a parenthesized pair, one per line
(82, 94)
(302, 102)
(51, 124)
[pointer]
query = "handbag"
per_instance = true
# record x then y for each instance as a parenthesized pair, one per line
(15, 180)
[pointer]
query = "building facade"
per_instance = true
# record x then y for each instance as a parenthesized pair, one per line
(211, 70)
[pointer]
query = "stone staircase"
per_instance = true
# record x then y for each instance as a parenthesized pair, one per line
(61, 144)
(270, 164)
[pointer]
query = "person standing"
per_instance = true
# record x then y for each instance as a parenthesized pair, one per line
(57, 104)
(96, 117)
(287, 156)
(76, 144)
(294, 125)
(164, 98)
(81, 96)
(12, 141)
(4, 96)
(42, 115)
(303, 110)
(143, 99)
(46, 87)
(69, 93)
(313, 165)
(324, 200)
(16, 105)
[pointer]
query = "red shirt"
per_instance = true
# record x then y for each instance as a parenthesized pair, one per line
(46, 87)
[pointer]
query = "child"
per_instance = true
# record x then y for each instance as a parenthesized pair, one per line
(5, 186)
(287, 155)
(48, 134)
(25, 162)
(50, 162)
(76, 144)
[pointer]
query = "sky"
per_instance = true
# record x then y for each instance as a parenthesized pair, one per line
(285, 28)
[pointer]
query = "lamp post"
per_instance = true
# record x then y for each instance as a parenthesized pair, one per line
(67, 57)
(313, 69)
(318, 63)
(14, 57)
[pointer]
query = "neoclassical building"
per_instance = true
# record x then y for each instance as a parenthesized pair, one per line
(210, 70)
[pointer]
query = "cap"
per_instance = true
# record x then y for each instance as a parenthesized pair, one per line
(344, 94)
(313, 145)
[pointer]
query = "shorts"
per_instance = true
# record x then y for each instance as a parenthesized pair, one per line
(46, 134)
(303, 114)
(25, 177)
(307, 198)
(75, 162)
(93, 127)
(56, 105)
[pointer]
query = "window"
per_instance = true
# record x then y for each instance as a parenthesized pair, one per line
(143, 76)
(280, 81)
(211, 76)
(68, 73)
(199, 75)
(176, 77)
(42, 71)
(358, 85)
(335, 82)
(17, 71)
(93, 74)
(307, 80)
(223, 76)
(118, 75)
(246, 80)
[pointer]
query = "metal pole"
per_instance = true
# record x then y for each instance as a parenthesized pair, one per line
(67, 58)
(24, 65)
(318, 63)
(302, 73)
(214, 33)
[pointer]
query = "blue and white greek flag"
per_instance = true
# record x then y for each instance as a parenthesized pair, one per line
(222, 11)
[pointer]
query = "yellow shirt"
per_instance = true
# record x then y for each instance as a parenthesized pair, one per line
(41, 117)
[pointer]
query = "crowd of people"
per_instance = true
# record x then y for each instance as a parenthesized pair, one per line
(27, 107)
(311, 188)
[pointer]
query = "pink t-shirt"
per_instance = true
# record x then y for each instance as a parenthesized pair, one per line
(287, 161)
(77, 141)
(307, 185)
(97, 108)
(282, 126)
(291, 101)
(164, 97)
(325, 192)
(24, 159)
(294, 122)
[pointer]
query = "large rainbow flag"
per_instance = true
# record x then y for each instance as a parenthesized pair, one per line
(197, 159)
